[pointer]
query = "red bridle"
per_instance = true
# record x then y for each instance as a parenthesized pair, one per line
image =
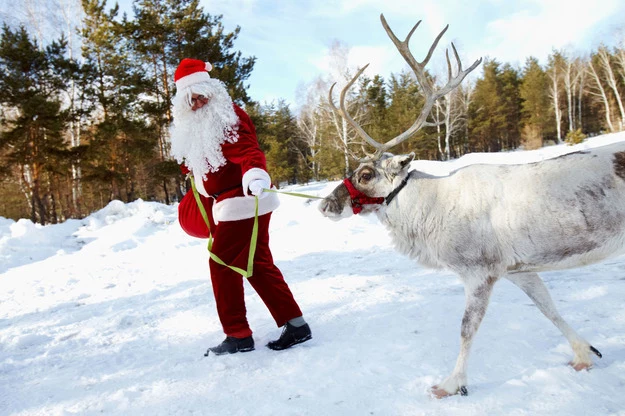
(358, 198)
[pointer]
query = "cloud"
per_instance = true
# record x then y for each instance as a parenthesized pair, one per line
(292, 39)
(535, 28)
(381, 59)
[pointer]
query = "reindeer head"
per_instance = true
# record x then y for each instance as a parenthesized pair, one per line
(368, 188)
(377, 176)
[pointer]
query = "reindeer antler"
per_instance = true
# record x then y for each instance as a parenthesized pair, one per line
(430, 93)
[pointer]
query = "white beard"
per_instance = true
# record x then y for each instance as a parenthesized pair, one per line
(197, 136)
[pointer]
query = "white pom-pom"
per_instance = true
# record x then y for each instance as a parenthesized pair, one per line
(208, 67)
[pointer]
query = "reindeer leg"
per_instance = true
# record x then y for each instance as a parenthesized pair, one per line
(534, 287)
(477, 296)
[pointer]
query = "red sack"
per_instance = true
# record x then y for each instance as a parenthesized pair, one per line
(190, 217)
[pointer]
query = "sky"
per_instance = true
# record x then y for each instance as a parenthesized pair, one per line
(112, 314)
(291, 38)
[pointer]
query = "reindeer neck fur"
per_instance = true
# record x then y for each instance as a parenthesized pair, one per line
(414, 217)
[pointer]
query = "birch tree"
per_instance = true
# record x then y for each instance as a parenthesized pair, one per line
(308, 125)
(346, 138)
(605, 65)
(573, 78)
(464, 98)
(619, 56)
(310, 122)
(599, 92)
(555, 72)
(449, 116)
(70, 14)
(583, 82)
(535, 107)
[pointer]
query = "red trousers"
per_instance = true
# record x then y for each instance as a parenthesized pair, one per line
(232, 244)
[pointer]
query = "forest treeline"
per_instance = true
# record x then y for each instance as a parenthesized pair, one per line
(84, 125)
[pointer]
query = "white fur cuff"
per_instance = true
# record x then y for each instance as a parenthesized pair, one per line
(241, 207)
(253, 174)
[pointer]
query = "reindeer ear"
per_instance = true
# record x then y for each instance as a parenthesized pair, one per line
(394, 165)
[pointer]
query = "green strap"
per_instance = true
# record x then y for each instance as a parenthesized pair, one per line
(293, 194)
(250, 260)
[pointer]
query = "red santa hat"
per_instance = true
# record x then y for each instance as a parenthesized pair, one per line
(191, 71)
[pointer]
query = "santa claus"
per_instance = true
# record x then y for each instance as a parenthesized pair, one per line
(215, 141)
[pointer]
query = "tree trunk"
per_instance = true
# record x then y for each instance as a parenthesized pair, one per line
(68, 9)
(582, 85)
(38, 213)
(345, 148)
(604, 98)
(604, 58)
(438, 132)
(555, 95)
(449, 126)
(162, 139)
(569, 88)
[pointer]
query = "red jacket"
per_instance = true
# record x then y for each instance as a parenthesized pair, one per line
(245, 162)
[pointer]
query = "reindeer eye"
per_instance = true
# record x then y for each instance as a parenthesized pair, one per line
(366, 176)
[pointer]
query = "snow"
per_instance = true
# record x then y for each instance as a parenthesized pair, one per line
(112, 314)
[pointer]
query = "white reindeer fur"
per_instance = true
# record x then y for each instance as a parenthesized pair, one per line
(490, 221)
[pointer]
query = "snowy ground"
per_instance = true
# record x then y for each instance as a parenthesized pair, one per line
(112, 314)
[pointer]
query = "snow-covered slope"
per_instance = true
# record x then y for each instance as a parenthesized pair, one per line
(112, 314)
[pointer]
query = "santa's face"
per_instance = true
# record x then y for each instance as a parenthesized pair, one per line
(198, 101)
(204, 119)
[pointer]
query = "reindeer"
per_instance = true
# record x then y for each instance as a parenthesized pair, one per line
(487, 222)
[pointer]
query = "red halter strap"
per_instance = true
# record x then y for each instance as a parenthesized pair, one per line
(358, 198)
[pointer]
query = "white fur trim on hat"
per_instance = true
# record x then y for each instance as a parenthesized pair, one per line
(194, 78)
(241, 207)
(252, 175)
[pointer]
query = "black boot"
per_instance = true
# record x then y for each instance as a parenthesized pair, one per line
(230, 345)
(291, 335)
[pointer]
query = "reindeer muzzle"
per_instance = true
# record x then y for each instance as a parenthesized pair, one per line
(358, 198)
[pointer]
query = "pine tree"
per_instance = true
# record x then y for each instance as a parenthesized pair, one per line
(277, 132)
(487, 111)
(163, 33)
(32, 145)
(556, 72)
(536, 110)
(510, 93)
(376, 106)
(405, 104)
(119, 141)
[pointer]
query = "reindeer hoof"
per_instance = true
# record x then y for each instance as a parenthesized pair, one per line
(596, 351)
(439, 393)
(580, 366)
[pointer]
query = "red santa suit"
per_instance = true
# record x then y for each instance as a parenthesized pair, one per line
(231, 217)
